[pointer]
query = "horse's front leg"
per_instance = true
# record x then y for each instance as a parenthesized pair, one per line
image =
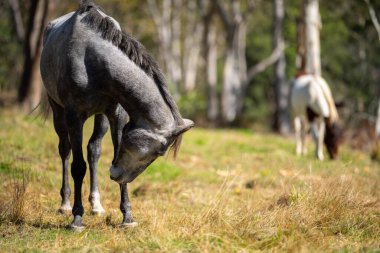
(78, 167)
(318, 133)
(299, 126)
(321, 136)
(101, 125)
(125, 207)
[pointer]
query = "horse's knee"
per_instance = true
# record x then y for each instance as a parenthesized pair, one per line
(65, 192)
(94, 149)
(64, 148)
(78, 169)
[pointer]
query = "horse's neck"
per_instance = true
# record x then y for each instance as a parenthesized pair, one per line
(139, 95)
(328, 97)
(126, 83)
(147, 112)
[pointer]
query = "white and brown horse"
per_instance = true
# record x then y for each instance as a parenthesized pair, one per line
(312, 102)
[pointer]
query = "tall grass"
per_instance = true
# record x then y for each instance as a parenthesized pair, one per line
(228, 191)
(13, 199)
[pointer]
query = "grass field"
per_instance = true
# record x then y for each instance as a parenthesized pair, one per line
(228, 191)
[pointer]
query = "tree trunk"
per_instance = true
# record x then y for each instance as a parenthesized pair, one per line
(309, 59)
(192, 44)
(29, 93)
(167, 21)
(211, 72)
(376, 25)
(210, 60)
(17, 19)
(281, 114)
(176, 71)
(234, 73)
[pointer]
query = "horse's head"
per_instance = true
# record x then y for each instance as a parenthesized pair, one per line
(139, 148)
(333, 138)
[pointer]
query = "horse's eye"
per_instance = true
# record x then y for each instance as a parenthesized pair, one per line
(159, 153)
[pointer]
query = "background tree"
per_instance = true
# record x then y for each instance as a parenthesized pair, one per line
(281, 113)
(29, 93)
(309, 59)
(349, 48)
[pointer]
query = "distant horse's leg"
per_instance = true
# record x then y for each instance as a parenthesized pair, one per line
(78, 167)
(321, 136)
(101, 125)
(125, 207)
(64, 151)
(300, 135)
(318, 132)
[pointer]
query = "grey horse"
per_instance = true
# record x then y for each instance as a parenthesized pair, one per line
(89, 66)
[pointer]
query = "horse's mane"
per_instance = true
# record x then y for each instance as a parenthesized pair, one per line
(135, 52)
(334, 117)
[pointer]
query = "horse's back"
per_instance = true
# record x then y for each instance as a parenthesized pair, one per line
(306, 93)
(70, 67)
(54, 54)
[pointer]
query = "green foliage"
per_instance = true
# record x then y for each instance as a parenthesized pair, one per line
(10, 50)
(193, 105)
(349, 51)
(198, 202)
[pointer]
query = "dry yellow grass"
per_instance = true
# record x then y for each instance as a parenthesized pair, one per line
(228, 191)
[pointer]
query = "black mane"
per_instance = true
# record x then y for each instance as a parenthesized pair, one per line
(135, 52)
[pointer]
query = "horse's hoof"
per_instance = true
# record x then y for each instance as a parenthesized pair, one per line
(129, 224)
(77, 228)
(98, 211)
(65, 209)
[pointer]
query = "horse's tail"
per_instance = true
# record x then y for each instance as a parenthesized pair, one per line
(45, 108)
(334, 117)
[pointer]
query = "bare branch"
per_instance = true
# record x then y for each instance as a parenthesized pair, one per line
(374, 19)
(264, 64)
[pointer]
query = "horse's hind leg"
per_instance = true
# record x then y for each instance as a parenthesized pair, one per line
(74, 124)
(64, 151)
(101, 125)
(299, 126)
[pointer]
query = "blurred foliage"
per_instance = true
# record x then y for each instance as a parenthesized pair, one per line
(349, 51)
(10, 50)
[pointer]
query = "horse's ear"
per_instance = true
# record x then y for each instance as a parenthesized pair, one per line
(187, 124)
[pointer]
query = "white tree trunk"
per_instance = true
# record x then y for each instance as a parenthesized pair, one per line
(234, 74)
(378, 122)
(211, 71)
(376, 24)
(309, 56)
(176, 71)
(192, 46)
(235, 65)
(168, 27)
(312, 28)
(281, 115)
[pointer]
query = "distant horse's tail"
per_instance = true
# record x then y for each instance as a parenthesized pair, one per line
(334, 117)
